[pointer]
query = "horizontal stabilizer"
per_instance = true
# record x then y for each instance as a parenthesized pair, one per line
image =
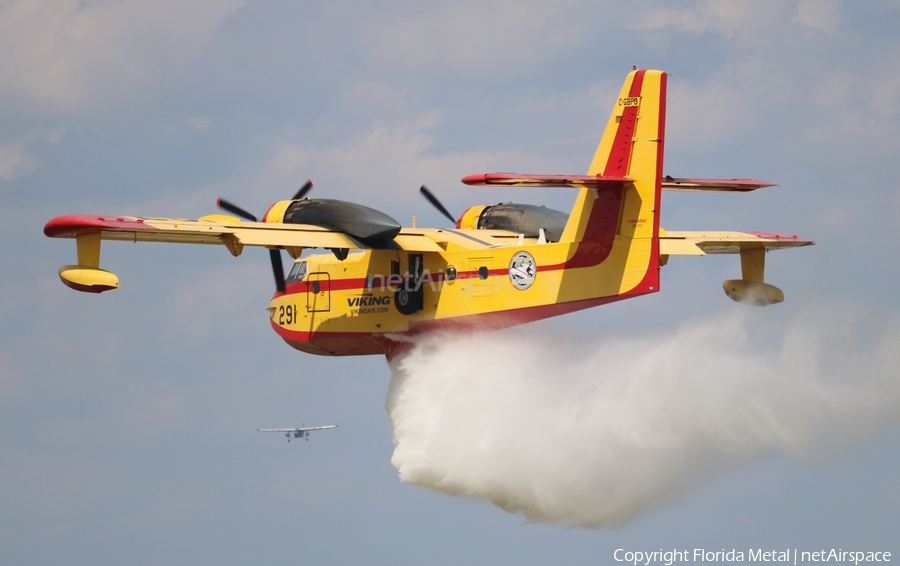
(520, 180)
(678, 246)
(670, 183)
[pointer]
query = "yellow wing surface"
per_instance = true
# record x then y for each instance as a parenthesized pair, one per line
(752, 247)
(713, 242)
(218, 229)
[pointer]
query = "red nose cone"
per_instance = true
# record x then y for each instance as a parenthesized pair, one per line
(461, 216)
(265, 217)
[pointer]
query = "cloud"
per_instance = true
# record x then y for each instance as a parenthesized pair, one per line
(15, 162)
(216, 300)
(386, 162)
(856, 107)
(74, 56)
(198, 123)
(778, 68)
(475, 37)
(756, 23)
(15, 158)
(53, 486)
(727, 17)
(705, 114)
(820, 14)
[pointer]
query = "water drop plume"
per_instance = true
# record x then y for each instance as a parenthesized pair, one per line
(589, 431)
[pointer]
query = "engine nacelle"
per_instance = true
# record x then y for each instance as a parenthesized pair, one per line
(348, 217)
(525, 219)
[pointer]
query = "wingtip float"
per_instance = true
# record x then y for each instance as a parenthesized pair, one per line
(500, 265)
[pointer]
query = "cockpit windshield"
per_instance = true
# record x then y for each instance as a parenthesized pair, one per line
(298, 272)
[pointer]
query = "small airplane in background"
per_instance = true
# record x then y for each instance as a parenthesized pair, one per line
(496, 265)
(302, 432)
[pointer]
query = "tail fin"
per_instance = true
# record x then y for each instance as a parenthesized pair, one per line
(632, 146)
(627, 216)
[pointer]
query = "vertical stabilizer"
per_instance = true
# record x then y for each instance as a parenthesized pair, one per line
(625, 219)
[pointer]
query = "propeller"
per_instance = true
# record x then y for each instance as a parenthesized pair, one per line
(274, 254)
(235, 209)
(435, 203)
(277, 269)
(303, 190)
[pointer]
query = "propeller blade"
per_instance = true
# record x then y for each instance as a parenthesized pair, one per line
(436, 203)
(277, 269)
(234, 209)
(274, 255)
(303, 190)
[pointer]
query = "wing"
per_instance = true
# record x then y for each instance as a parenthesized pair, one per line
(220, 229)
(302, 429)
(702, 243)
(751, 288)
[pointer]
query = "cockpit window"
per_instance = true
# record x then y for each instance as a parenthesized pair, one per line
(298, 272)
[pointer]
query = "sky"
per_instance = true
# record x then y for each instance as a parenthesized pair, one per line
(129, 418)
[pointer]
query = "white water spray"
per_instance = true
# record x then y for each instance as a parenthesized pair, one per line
(589, 432)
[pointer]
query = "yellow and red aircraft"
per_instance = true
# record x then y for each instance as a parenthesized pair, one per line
(501, 265)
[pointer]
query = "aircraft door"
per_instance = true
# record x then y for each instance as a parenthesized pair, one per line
(318, 292)
(409, 297)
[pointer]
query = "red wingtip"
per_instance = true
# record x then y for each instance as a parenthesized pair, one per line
(71, 225)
